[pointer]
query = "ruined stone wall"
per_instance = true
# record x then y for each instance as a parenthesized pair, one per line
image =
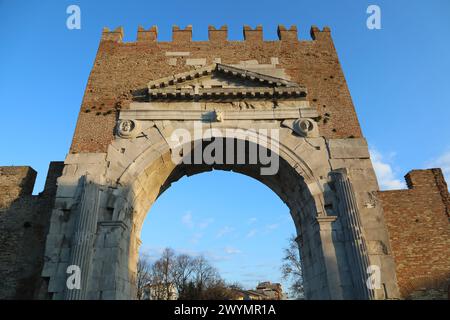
(15, 182)
(121, 67)
(24, 222)
(418, 224)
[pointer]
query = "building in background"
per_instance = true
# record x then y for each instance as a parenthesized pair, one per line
(160, 291)
(264, 291)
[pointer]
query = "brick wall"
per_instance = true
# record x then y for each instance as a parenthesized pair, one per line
(24, 222)
(419, 229)
(122, 67)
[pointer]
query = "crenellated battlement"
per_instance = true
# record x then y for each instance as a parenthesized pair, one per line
(149, 35)
(254, 35)
(181, 35)
(317, 34)
(287, 34)
(115, 35)
(251, 35)
(218, 35)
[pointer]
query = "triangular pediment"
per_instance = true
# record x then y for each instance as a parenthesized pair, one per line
(220, 81)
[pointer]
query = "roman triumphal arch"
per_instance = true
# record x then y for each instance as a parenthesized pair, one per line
(247, 117)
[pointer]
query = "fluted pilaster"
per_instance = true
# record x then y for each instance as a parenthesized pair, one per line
(83, 239)
(355, 243)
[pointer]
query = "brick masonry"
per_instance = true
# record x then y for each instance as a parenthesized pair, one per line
(419, 231)
(121, 67)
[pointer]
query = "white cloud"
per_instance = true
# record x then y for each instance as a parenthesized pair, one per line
(224, 231)
(231, 250)
(187, 220)
(251, 233)
(211, 255)
(196, 237)
(205, 223)
(151, 252)
(273, 226)
(385, 174)
(442, 162)
(252, 220)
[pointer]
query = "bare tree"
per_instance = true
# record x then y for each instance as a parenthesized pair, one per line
(218, 290)
(143, 274)
(183, 269)
(199, 280)
(161, 274)
(291, 269)
(204, 274)
(194, 278)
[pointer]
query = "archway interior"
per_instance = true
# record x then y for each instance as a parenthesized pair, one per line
(236, 222)
(288, 184)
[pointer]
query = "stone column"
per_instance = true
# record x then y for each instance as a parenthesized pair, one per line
(319, 258)
(325, 226)
(355, 244)
(84, 236)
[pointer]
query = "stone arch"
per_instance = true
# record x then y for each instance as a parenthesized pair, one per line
(105, 197)
(152, 171)
(109, 195)
(161, 151)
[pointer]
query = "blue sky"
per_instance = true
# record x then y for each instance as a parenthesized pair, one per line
(398, 77)
(236, 222)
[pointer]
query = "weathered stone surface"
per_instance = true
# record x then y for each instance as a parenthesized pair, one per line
(348, 149)
(196, 62)
(24, 223)
(85, 158)
(177, 53)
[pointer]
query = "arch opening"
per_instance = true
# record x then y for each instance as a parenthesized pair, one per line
(240, 226)
(289, 184)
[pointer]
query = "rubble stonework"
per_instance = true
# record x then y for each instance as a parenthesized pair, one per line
(139, 94)
(24, 224)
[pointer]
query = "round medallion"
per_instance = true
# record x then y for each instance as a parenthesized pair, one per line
(304, 126)
(125, 128)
